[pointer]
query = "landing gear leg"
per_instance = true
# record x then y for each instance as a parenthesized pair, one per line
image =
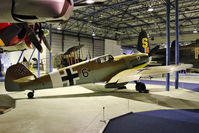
(140, 87)
(30, 94)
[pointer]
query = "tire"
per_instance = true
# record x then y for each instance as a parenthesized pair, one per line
(137, 86)
(141, 87)
(30, 95)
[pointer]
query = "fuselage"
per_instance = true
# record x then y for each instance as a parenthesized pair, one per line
(187, 54)
(99, 69)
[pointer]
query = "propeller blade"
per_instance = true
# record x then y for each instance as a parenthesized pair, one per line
(41, 35)
(32, 36)
(8, 33)
(46, 43)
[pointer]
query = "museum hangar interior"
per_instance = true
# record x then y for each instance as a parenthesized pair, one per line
(106, 66)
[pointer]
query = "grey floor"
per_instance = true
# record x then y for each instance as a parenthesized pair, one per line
(79, 109)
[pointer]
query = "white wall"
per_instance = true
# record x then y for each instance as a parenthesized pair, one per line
(112, 47)
(11, 58)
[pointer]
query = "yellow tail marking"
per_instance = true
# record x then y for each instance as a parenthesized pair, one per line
(147, 50)
(144, 42)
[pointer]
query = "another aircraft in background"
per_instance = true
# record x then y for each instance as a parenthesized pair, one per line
(72, 56)
(188, 54)
(115, 71)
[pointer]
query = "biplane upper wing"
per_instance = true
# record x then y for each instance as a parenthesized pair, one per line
(135, 74)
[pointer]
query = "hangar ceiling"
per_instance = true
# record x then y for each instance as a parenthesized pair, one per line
(123, 19)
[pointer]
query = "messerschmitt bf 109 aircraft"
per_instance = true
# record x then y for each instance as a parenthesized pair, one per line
(115, 71)
(20, 21)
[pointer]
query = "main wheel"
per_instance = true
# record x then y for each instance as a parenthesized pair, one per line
(137, 86)
(30, 95)
(141, 87)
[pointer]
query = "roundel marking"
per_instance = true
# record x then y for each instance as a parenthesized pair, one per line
(138, 58)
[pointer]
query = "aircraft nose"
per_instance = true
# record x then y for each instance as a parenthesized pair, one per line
(138, 60)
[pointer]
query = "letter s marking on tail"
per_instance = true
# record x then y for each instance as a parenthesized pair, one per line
(144, 42)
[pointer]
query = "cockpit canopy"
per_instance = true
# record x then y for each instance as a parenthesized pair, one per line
(104, 58)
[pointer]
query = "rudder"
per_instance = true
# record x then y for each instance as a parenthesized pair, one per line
(143, 42)
(15, 72)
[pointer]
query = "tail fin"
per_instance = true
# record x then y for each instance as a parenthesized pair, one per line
(15, 72)
(143, 42)
(154, 50)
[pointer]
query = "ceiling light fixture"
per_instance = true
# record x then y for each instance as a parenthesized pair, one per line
(93, 34)
(195, 31)
(150, 9)
(89, 1)
(59, 27)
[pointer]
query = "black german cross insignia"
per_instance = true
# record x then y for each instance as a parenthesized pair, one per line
(70, 77)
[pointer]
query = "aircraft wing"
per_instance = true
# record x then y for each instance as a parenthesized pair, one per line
(135, 74)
